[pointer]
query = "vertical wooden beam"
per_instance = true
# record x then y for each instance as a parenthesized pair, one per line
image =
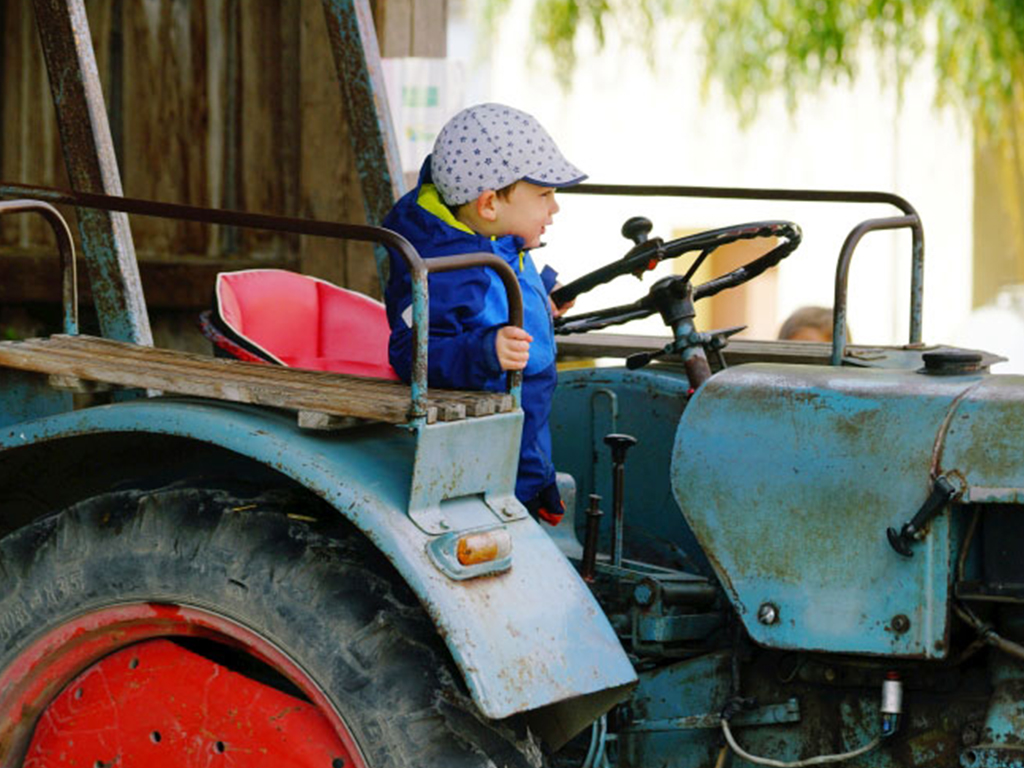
(31, 151)
(92, 167)
(429, 29)
(411, 28)
(330, 186)
(393, 21)
(3, 86)
(232, 118)
(357, 60)
(115, 79)
(291, 111)
(260, 104)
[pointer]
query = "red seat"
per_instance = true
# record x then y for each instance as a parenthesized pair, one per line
(272, 315)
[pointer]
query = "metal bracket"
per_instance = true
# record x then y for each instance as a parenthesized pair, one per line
(462, 458)
(770, 714)
(674, 629)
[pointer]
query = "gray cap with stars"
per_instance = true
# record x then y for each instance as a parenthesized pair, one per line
(489, 146)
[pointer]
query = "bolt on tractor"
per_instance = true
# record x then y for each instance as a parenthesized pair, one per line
(773, 553)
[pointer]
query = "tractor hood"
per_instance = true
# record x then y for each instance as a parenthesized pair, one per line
(790, 476)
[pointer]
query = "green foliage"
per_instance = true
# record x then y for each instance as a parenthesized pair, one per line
(557, 23)
(756, 46)
(753, 47)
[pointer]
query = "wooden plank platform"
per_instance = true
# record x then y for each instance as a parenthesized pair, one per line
(95, 359)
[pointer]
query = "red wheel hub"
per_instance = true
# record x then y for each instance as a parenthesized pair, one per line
(107, 690)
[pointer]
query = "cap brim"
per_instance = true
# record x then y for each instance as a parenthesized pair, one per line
(555, 184)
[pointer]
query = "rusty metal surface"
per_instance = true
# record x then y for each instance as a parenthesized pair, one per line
(353, 39)
(486, 460)
(25, 396)
(984, 443)
(175, 708)
(838, 710)
(591, 403)
(357, 60)
(790, 475)
(92, 167)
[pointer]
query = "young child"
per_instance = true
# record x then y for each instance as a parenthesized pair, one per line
(489, 185)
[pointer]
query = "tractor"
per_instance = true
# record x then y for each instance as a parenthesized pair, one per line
(773, 554)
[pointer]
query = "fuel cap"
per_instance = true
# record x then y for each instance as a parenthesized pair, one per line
(951, 362)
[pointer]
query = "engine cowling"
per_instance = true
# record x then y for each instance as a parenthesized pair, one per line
(789, 477)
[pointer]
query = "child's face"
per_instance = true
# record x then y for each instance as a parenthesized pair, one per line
(527, 212)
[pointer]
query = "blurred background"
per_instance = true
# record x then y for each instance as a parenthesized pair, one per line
(235, 104)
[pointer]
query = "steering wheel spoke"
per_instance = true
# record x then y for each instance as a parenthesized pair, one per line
(602, 318)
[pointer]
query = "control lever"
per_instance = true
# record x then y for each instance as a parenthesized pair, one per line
(594, 514)
(637, 229)
(619, 444)
(942, 492)
(640, 359)
(719, 341)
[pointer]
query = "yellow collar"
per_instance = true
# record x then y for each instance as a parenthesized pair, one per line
(430, 200)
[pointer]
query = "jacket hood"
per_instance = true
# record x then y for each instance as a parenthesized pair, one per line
(424, 220)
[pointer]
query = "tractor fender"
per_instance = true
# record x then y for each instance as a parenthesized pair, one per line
(523, 639)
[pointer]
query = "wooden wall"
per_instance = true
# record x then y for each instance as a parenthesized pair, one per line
(222, 103)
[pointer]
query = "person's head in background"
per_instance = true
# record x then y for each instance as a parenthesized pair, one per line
(809, 324)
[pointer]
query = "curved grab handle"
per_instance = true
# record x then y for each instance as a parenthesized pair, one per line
(512, 289)
(66, 246)
(911, 222)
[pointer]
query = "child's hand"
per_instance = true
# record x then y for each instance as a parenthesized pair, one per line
(557, 311)
(513, 347)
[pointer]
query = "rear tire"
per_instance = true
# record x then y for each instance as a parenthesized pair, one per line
(288, 571)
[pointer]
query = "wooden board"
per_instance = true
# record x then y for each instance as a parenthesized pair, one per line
(129, 365)
(738, 351)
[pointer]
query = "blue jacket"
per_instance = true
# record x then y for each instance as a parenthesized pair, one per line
(467, 308)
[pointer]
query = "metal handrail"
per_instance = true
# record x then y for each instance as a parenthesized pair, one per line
(66, 247)
(418, 267)
(911, 222)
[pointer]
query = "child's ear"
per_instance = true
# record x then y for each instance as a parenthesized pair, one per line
(487, 205)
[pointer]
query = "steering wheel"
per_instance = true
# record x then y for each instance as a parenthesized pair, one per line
(646, 255)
